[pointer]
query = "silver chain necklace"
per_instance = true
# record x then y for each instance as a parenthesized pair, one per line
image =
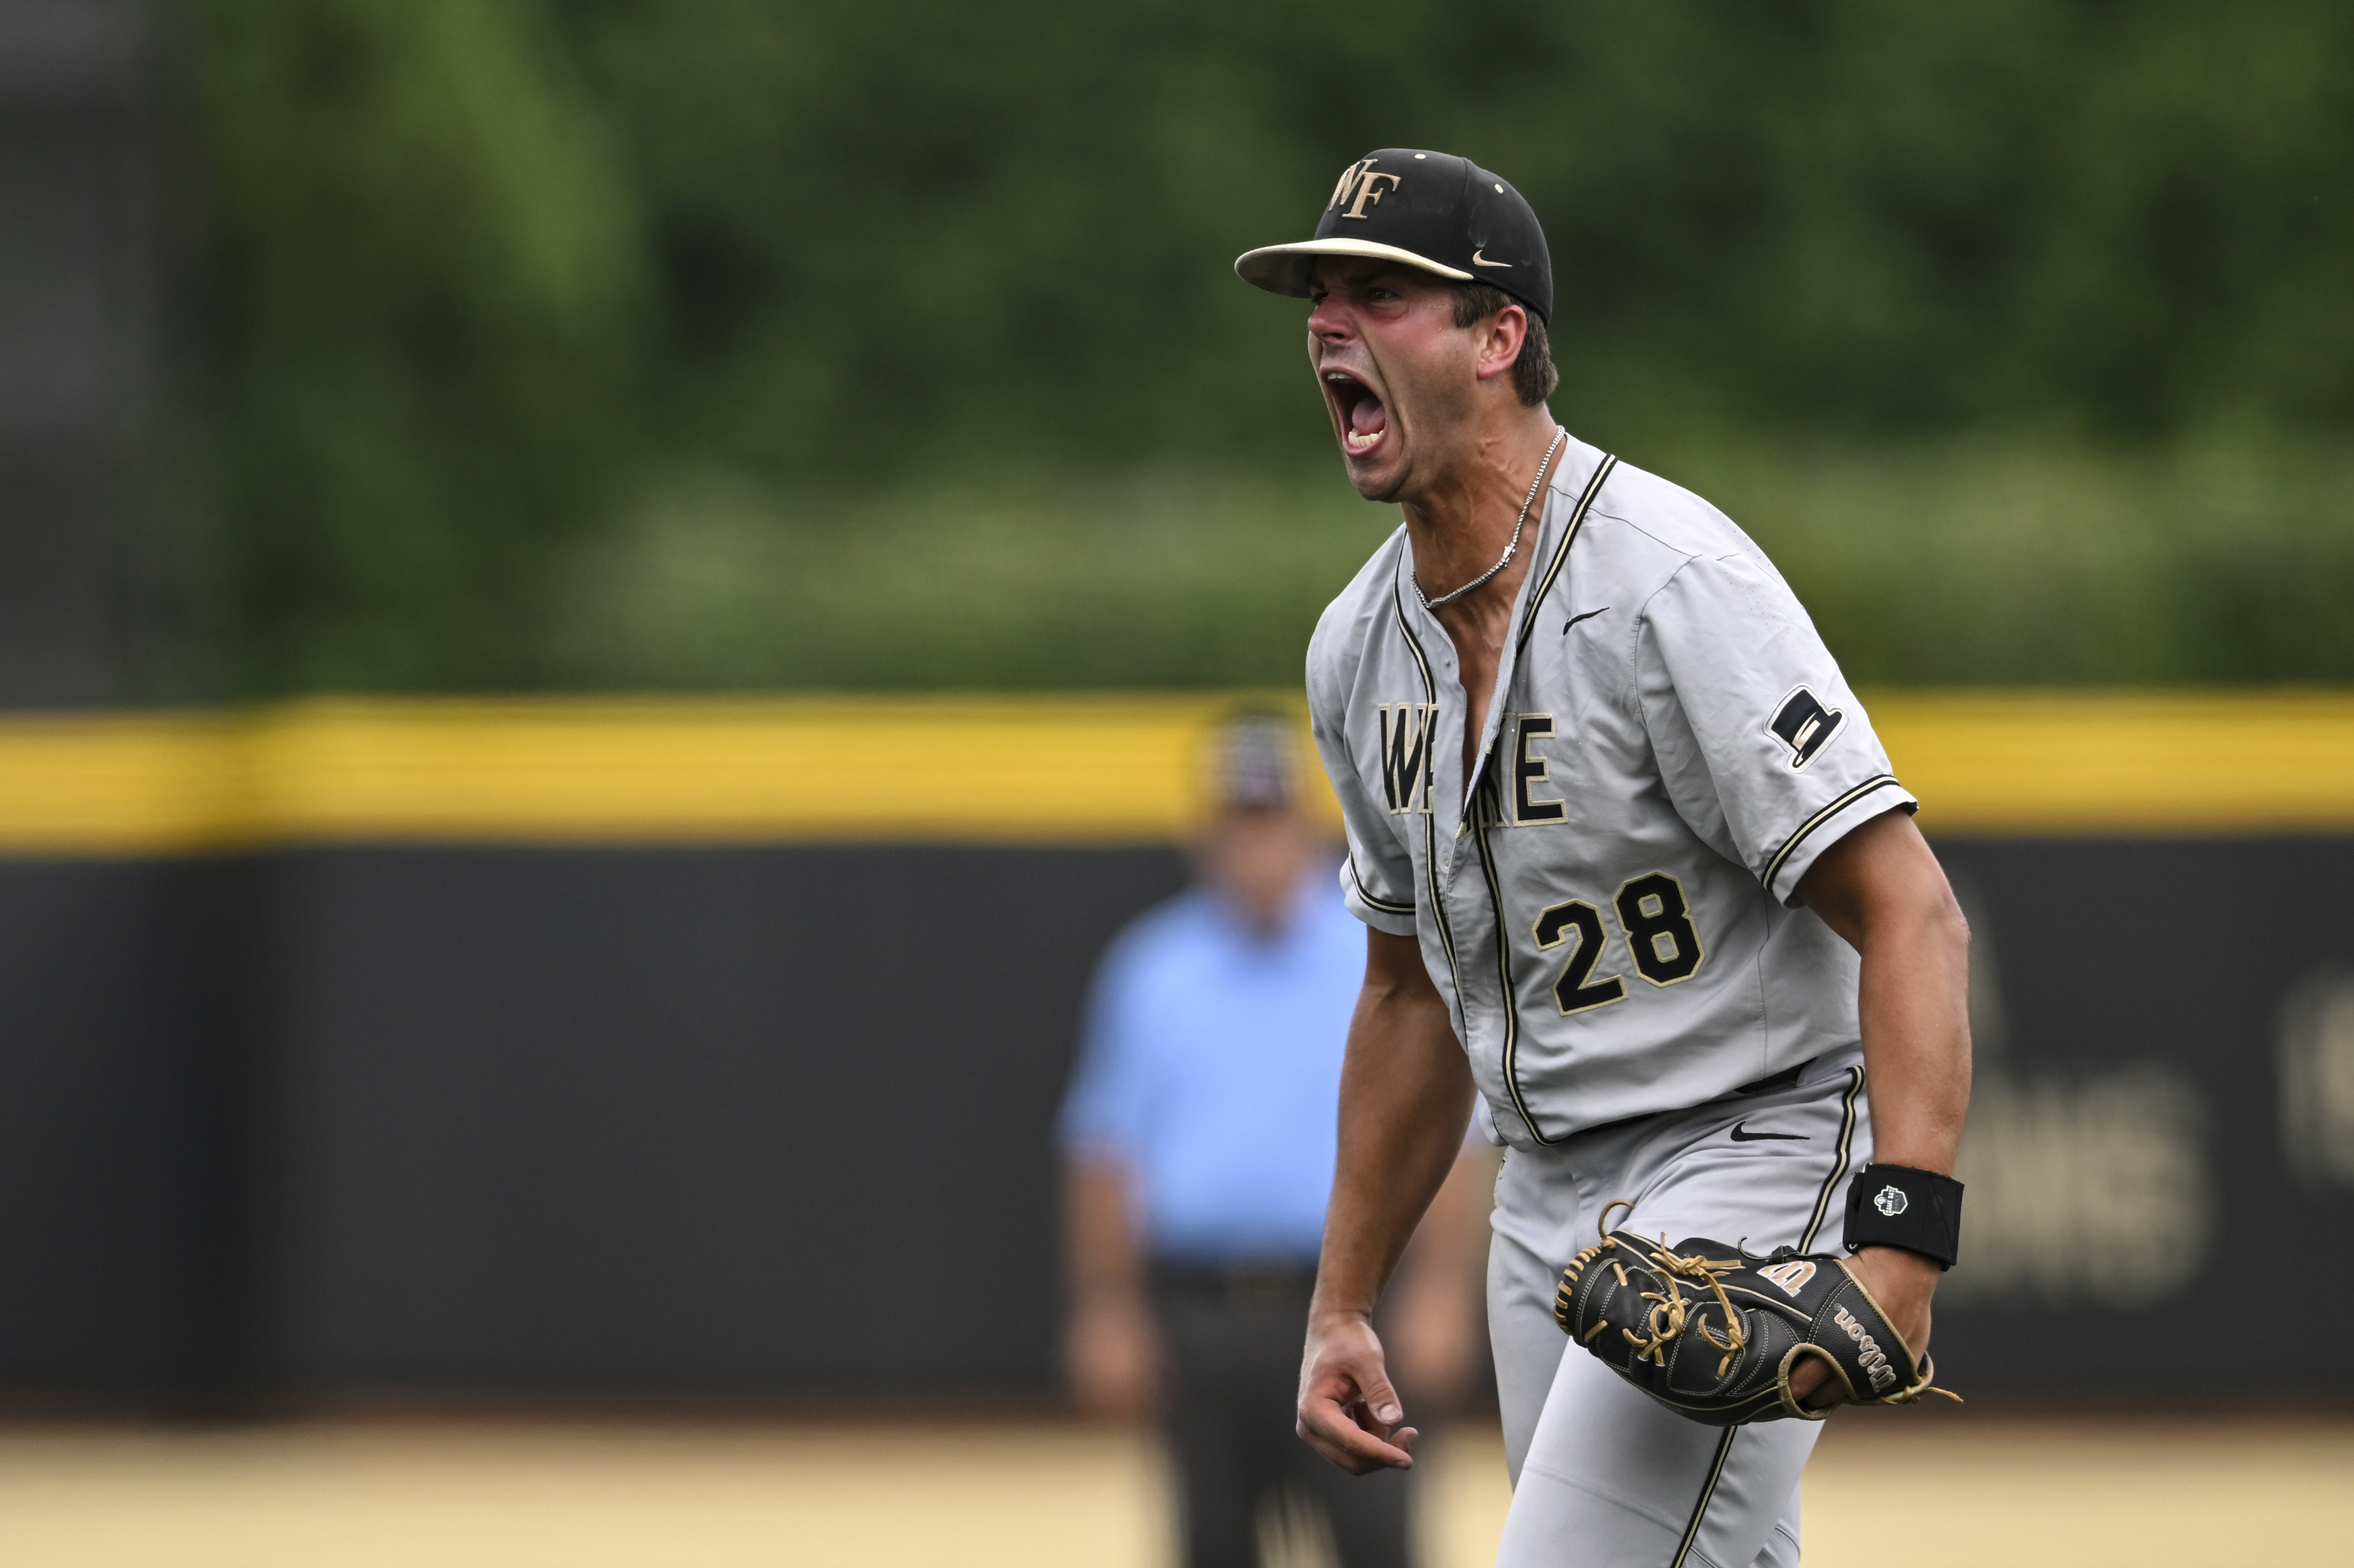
(1559, 435)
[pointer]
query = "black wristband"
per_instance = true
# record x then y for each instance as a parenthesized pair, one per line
(1895, 1205)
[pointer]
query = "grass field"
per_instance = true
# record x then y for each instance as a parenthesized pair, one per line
(1928, 1490)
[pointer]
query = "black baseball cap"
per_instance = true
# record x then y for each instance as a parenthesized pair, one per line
(1433, 210)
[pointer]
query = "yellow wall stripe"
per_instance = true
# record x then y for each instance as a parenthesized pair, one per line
(1062, 769)
(2112, 763)
(984, 770)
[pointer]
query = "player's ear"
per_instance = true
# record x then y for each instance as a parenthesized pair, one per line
(1500, 337)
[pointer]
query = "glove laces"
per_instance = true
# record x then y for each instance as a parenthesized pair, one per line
(1671, 1311)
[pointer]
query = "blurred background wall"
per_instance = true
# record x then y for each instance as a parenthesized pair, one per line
(665, 347)
(81, 290)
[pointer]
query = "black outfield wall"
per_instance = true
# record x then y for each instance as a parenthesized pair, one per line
(773, 1123)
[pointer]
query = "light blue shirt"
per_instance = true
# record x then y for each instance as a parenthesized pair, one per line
(1211, 1068)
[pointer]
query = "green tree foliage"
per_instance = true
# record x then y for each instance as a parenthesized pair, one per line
(916, 226)
(1964, 560)
(493, 275)
(428, 278)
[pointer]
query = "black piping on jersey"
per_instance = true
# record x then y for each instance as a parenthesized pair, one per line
(1486, 866)
(1561, 551)
(1479, 830)
(1505, 970)
(1774, 866)
(1430, 820)
(1707, 1493)
(1384, 904)
(1839, 1159)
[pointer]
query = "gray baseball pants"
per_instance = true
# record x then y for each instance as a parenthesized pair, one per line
(1601, 1474)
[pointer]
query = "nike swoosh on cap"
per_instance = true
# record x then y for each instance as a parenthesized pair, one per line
(1479, 260)
(1741, 1135)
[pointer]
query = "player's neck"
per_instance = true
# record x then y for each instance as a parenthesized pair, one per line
(1460, 518)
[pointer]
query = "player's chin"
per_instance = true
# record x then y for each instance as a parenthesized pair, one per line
(1375, 468)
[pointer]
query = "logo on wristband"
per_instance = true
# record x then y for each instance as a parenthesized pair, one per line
(1891, 1201)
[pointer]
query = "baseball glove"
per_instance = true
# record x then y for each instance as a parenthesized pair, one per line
(1713, 1333)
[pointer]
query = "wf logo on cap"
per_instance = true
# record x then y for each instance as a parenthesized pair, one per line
(1360, 187)
(1461, 222)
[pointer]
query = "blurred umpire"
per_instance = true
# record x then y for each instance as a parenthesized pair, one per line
(1199, 1139)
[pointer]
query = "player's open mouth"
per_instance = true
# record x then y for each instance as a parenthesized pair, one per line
(1362, 419)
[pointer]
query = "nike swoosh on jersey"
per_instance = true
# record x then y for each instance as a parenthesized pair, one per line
(1741, 1135)
(1479, 260)
(1574, 619)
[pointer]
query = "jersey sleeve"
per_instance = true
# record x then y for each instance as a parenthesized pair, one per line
(1377, 874)
(1764, 748)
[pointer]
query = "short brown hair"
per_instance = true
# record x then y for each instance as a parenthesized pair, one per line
(1534, 375)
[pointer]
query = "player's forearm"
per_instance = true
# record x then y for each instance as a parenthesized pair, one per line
(1914, 1006)
(1406, 1097)
(1881, 890)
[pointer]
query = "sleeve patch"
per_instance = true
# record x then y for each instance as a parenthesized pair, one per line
(1805, 725)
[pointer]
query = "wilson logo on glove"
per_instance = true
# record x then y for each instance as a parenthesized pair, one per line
(1874, 1361)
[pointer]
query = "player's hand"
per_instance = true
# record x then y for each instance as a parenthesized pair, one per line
(1114, 1355)
(1902, 1282)
(1348, 1410)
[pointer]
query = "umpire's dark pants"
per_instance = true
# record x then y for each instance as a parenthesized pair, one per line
(1231, 1338)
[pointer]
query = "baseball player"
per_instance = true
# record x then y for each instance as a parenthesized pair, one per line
(1640, 885)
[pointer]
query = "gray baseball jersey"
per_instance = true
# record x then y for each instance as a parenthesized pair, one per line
(1605, 904)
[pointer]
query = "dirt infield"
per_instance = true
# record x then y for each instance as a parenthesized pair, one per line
(1954, 1490)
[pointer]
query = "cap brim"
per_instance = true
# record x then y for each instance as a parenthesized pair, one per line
(1286, 268)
